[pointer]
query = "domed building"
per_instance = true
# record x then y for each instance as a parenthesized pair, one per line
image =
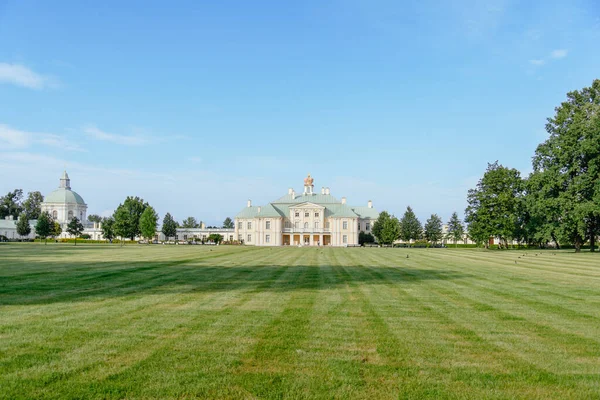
(64, 204)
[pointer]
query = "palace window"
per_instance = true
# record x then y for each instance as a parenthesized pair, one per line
(368, 226)
(268, 225)
(184, 237)
(296, 224)
(345, 239)
(306, 215)
(327, 225)
(316, 215)
(317, 225)
(359, 226)
(306, 225)
(70, 215)
(249, 238)
(288, 224)
(239, 225)
(176, 237)
(267, 238)
(54, 215)
(345, 225)
(239, 238)
(297, 215)
(249, 225)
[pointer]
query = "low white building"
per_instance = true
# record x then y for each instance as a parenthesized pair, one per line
(307, 219)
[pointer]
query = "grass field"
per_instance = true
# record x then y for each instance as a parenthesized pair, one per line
(95, 321)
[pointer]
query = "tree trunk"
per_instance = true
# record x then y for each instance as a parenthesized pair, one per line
(555, 241)
(593, 241)
(577, 244)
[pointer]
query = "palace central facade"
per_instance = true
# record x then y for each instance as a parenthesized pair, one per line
(307, 219)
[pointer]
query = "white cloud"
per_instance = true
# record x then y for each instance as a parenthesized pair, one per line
(20, 75)
(537, 62)
(559, 53)
(11, 139)
(93, 132)
(195, 160)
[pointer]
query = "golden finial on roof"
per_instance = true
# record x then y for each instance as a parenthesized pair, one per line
(308, 181)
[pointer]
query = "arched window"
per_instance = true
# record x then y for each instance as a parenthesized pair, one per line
(54, 214)
(296, 224)
(316, 224)
(306, 225)
(70, 215)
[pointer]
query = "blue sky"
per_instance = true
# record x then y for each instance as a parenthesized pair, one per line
(198, 106)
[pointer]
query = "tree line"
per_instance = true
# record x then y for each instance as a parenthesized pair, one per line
(388, 228)
(559, 202)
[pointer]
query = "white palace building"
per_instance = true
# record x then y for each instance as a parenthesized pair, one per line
(306, 219)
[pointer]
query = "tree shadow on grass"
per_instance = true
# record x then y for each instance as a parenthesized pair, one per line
(74, 282)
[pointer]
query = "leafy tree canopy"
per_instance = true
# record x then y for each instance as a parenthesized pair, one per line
(33, 205)
(75, 228)
(94, 218)
(190, 222)
(44, 225)
(433, 229)
(169, 226)
(148, 223)
(10, 204)
(410, 227)
(228, 223)
(127, 217)
(23, 227)
(456, 230)
(107, 227)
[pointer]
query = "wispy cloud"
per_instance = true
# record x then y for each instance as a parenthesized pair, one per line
(128, 140)
(195, 160)
(12, 138)
(20, 75)
(537, 62)
(559, 53)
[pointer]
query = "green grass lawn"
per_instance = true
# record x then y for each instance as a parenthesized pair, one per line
(98, 321)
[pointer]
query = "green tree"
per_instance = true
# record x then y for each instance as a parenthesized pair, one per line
(10, 204)
(44, 226)
(410, 227)
(456, 230)
(148, 223)
(433, 229)
(169, 226)
(75, 228)
(228, 223)
(365, 238)
(566, 170)
(215, 238)
(108, 228)
(189, 222)
(94, 218)
(56, 229)
(386, 228)
(127, 217)
(23, 227)
(33, 205)
(495, 205)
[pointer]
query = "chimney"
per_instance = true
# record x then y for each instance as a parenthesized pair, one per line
(343, 200)
(293, 193)
(323, 190)
(249, 203)
(370, 204)
(326, 190)
(290, 191)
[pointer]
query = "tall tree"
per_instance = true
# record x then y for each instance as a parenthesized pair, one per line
(108, 228)
(410, 227)
(127, 217)
(75, 228)
(23, 227)
(10, 204)
(148, 223)
(94, 218)
(190, 222)
(44, 226)
(215, 238)
(567, 169)
(494, 206)
(33, 205)
(456, 230)
(386, 228)
(433, 229)
(169, 226)
(228, 223)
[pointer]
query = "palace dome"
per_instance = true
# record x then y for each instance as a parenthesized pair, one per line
(64, 194)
